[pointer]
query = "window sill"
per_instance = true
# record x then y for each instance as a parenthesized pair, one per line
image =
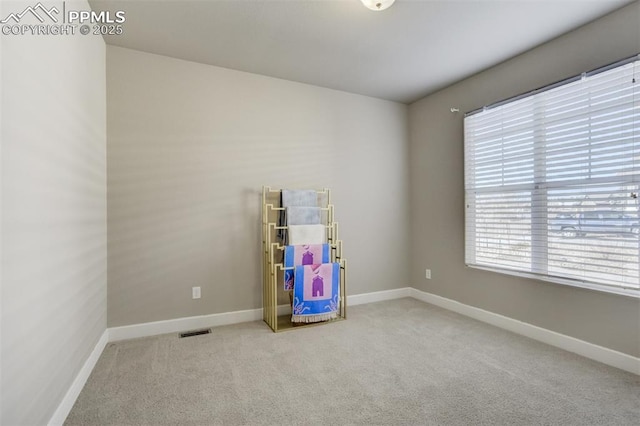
(628, 292)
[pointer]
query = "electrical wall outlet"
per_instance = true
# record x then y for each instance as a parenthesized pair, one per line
(427, 274)
(195, 292)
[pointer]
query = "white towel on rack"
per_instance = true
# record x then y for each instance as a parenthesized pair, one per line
(299, 197)
(307, 234)
(303, 215)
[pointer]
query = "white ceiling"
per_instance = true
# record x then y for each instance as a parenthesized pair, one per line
(400, 54)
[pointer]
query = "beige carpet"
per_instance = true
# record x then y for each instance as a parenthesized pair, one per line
(401, 362)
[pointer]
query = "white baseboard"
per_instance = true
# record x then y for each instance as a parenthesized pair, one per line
(282, 310)
(190, 323)
(378, 296)
(589, 350)
(70, 397)
(182, 324)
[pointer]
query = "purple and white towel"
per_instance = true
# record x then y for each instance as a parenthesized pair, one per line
(307, 254)
(316, 292)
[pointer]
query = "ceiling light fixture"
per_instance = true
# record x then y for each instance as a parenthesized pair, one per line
(377, 4)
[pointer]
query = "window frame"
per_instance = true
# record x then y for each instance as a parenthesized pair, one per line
(538, 189)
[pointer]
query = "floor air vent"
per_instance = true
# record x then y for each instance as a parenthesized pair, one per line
(195, 332)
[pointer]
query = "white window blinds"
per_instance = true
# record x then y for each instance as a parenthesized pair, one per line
(552, 181)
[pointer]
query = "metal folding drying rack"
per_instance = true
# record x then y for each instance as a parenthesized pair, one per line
(278, 317)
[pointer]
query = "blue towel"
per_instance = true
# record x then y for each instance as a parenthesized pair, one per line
(302, 255)
(316, 292)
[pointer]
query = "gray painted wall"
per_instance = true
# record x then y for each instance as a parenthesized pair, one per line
(189, 148)
(437, 191)
(54, 241)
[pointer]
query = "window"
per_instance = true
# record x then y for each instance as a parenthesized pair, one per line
(552, 181)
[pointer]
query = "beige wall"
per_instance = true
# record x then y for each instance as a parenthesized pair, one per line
(189, 148)
(437, 191)
(53, 135)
